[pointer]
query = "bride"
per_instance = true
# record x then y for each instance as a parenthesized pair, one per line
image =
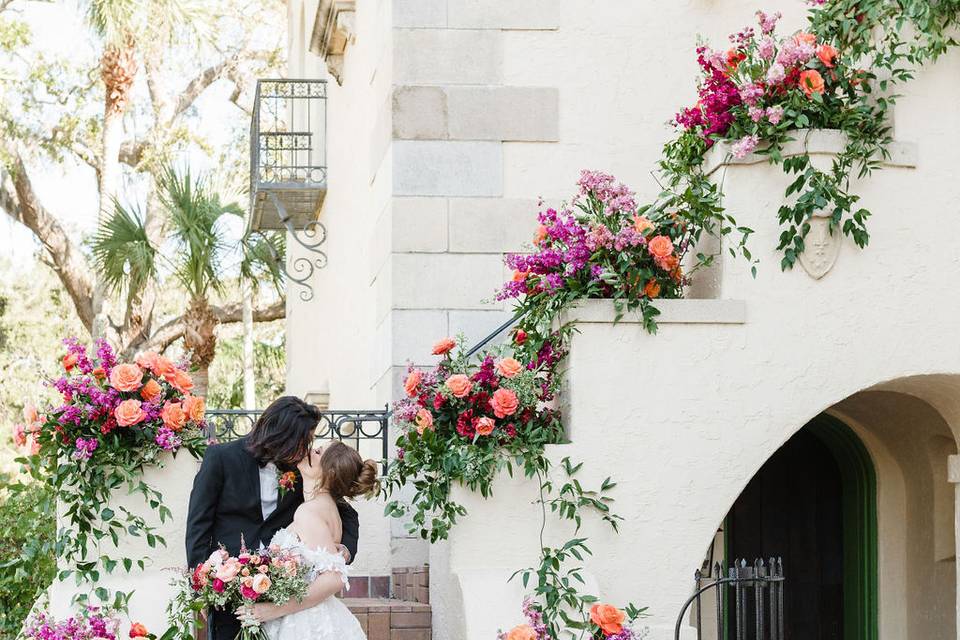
(334, 472)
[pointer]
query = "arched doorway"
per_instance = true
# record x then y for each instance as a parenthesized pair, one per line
(813, 503)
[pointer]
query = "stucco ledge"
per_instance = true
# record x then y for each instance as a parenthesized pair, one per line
(698, 311)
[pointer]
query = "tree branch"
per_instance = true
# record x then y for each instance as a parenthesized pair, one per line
(173, 330)
(19, 200)
(233, 312)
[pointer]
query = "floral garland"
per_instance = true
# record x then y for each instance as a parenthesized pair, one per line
(114, 419)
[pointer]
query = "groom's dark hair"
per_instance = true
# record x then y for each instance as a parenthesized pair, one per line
(284, 432)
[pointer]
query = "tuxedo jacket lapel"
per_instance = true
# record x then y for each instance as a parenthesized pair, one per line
(250, 470)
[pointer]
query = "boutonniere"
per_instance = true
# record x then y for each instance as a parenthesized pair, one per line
(286, 480)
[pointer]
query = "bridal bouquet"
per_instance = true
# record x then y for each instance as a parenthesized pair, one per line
(230, 583)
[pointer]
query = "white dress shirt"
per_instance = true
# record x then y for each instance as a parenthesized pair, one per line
(269, 489)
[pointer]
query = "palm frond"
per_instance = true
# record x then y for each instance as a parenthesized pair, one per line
(113, 19)
(123, 255)
(263, 257)
(195, 211)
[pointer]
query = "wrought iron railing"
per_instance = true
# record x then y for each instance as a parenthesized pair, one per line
(748, 601)
(367, 431)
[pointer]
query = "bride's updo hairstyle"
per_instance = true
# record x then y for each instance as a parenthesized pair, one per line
(346, 474)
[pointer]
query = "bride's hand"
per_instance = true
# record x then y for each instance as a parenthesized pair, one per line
(261, 612)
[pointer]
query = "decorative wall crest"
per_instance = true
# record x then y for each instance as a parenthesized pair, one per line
(821, 246)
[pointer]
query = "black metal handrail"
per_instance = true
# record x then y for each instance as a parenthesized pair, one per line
(352, 426)
(765, 579)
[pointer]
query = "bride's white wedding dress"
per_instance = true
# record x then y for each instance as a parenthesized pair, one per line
(329, 620)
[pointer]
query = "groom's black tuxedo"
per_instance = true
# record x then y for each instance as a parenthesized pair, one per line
(225, 504)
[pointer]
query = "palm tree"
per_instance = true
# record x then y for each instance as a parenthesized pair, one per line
(195, 252)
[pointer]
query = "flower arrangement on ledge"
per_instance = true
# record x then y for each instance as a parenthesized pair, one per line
(839, 73)
(114, 419)
(601, 245)
(90, 623)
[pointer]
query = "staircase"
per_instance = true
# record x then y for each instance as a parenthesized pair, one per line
(402, 614)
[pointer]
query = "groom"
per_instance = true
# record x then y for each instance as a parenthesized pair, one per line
(236, 492)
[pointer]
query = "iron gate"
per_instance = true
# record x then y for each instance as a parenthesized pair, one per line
(748, 601)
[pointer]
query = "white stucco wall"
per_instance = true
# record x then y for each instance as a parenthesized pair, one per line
(456, 115)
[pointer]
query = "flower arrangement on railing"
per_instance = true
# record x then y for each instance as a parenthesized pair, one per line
(90, 623)
(467, 420)
(463, 422)
(601, 245)
(114, 419)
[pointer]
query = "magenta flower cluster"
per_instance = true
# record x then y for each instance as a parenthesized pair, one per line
(85, 448)
(91, 625)
(167, 439)
(718, 96)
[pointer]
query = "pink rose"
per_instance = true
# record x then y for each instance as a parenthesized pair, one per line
(412, 383)
(218, 585)
(30, 414)
(229, 570)
(459, 385)
(261, 583)
(249, 593)
(129, 412)
(19, 435)
(504, 403)
(243, 558)
(509, 367)
(126, 377)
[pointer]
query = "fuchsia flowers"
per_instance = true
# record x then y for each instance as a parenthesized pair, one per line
(92, 623)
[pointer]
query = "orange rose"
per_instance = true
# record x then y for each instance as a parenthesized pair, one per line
(443, 346)
(99, 373)
(128, 413)
(137, 630)
(173, 416)
(424, 421)
(660, 247)
(146, 359)
(805, 38)
(651, 289)
(126, 377)
(194, 407)
(827, 53)
(642, 224)
(504, 403)
(540, 235)
(181, 381)
(520, 276)
(69, 361)
(485, 426)
(163, 368)
(151, 391)
(412, 382)
(459, 385)
(811, 82)
(508, 367)
(522, 632)
(608, 618)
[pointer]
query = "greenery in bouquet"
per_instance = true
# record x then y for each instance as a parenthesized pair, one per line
(113, 419)
(225, 582)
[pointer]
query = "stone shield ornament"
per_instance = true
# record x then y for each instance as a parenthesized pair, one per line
(821, 247)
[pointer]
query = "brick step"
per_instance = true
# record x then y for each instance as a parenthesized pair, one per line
(386, 619)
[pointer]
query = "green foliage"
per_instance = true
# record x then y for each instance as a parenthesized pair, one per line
(27, 546)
